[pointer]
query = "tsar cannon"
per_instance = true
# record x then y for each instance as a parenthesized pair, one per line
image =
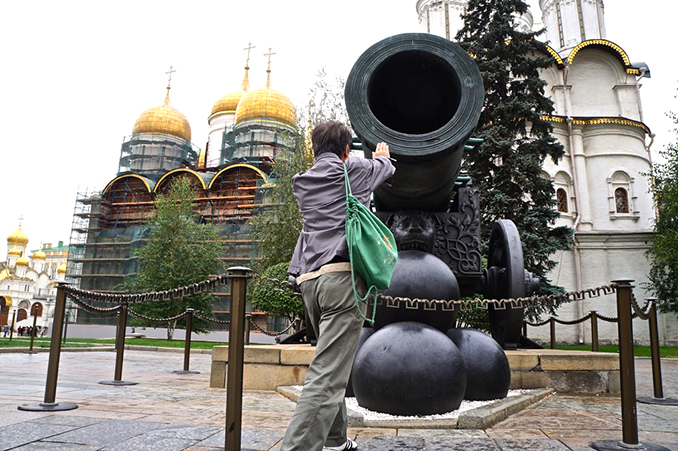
(423, 95)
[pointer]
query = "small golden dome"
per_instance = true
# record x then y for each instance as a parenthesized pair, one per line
(39, 255)
(228, 103)
(22, 261)
(14, 251)
(266, 104)
(62, 268)
(18, 237)
(163, 119)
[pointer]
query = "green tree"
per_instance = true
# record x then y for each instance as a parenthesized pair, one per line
(270, 297)
(179, 252)
(507, 166)
(664, 252)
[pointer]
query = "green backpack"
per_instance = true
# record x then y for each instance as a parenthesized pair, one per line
(371, 248)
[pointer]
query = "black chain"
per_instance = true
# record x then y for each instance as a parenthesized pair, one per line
(155, 320)
(93, 309)
(270, 334)
(643, 313)
(208, 319)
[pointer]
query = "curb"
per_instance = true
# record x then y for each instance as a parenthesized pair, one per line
(35, 350)
(479, 418)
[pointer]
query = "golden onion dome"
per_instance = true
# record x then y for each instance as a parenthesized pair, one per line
(14, 251)
(163, 119)
(266, 104)
(62, 268)
(39, 255)
(18, 238)
(23, 261)
(228, 103)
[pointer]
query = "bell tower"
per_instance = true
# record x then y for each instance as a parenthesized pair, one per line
(441, 17)
(570, 22)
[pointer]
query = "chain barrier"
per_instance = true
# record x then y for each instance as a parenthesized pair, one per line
(643, 313)
(208, 319)
(270, 334)
(155, 320)
(167, 295)
(92, 309)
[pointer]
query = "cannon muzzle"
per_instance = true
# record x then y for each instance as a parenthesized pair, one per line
(422, 95)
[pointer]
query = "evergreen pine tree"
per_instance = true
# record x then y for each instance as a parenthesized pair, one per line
(179, 252)
(507, 166)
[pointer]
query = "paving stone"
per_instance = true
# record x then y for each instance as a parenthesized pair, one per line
(151, 443)
(49, 446)
(531, 444)
(106, 433)
(466, 444)
(27, 432)
(184, 432)
(392, 444)
(250, 439)
(68, 420)
(428, 433)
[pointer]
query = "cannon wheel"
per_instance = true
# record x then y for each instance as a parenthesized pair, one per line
(505, 278)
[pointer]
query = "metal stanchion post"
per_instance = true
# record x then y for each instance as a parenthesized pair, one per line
(120, 349)
(656, 362)
(187, 344)
(236, 354)
(11, 328)
(525, 329)
(552, 324)
(49, 403)
(297, 324)
(66, 326)
(594, 331)
(627, 375)
(35, 323)
(248, 329)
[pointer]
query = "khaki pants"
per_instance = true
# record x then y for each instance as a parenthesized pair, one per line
(320, 416)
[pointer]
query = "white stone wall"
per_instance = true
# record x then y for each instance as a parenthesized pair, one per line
(441, 17)
(566, 14)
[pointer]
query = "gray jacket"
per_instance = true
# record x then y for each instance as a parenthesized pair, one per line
(320, 194)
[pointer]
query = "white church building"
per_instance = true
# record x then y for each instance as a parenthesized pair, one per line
(601, 187)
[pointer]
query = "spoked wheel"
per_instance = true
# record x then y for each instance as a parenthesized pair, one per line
(504, 278)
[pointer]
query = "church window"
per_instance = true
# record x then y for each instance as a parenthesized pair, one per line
(621, 199)
(21, 315)
(560, 25)
(581, 20)
(561, 197)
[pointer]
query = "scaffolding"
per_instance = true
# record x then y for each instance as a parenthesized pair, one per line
(108, 227)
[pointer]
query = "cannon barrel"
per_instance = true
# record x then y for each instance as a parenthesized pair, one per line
(422, 95)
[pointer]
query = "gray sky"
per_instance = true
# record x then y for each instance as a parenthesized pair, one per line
(75, 75)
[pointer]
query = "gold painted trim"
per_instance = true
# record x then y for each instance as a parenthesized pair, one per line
(555, 55)
(255, 121)
(127, 175)
(599, 121)
(219, 113)
(240, 165)
(603, 42)
(174, 171)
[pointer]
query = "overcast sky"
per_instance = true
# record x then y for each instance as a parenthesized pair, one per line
(75, 75)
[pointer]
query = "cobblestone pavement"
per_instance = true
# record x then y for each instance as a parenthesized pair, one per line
(168, 411)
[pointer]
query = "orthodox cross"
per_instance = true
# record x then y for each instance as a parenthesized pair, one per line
(268, 71)
(248, 48)
(169, 81)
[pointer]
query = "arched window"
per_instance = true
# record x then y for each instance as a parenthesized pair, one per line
(36, 309)
(621, 200)
(21, 315)
(561, 198)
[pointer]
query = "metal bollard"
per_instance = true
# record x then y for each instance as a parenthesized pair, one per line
(11, 329)
(66, 326)
(236, 354)
(656, 361)
(248, 329)
(525, 329)
(49, 403)
(120, 349)
(187, 344)
(594, 331)
(627, 376)
(552, 324)
(35, 323)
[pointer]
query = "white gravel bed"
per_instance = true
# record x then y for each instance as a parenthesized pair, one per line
(352, 403)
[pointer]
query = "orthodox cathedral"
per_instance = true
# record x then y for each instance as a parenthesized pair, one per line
(247, 128)
(27, 284)
(601, 189)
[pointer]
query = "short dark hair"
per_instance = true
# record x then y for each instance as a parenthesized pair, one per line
(330, 136)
